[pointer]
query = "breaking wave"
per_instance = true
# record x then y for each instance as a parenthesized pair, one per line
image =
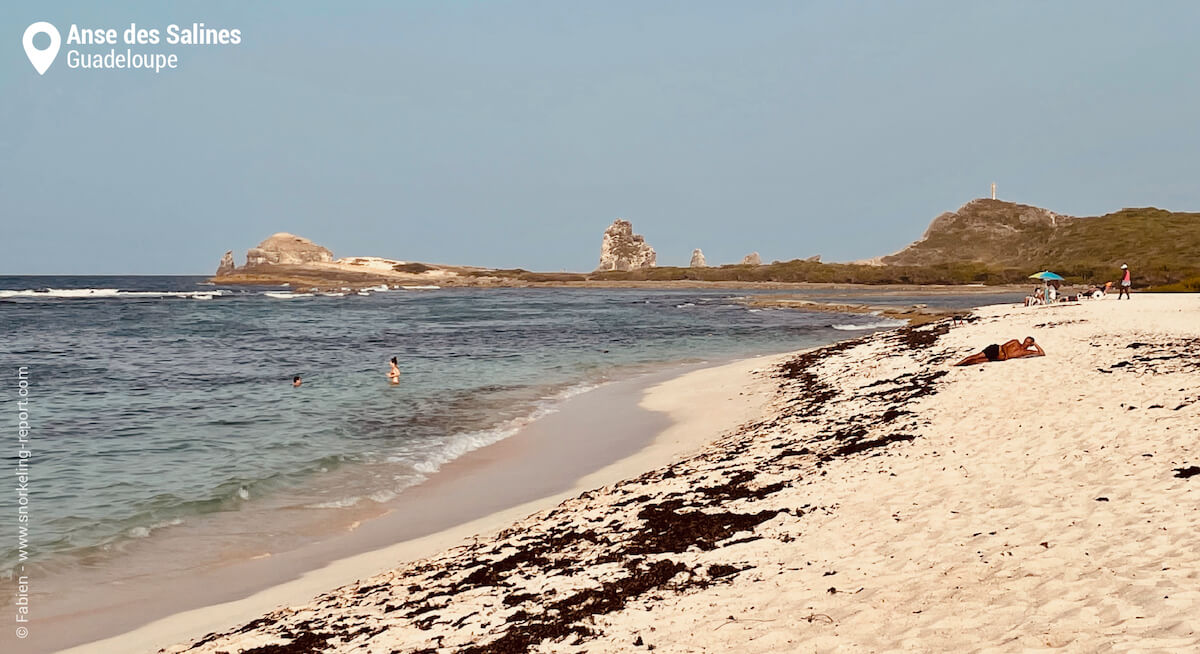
(98, 293)
(880, 324)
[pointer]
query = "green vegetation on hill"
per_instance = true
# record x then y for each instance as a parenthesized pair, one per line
(1161, 247)
(1189, 285)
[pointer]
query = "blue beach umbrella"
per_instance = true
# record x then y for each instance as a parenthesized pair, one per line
(1046, 275)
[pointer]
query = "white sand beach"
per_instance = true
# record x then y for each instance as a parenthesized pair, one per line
(873, 498)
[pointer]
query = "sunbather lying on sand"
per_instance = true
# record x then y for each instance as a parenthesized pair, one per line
(1013, 349)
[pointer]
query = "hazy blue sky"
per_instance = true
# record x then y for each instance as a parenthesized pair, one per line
(512, 134)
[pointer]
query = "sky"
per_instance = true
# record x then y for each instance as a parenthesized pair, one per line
(511, 134)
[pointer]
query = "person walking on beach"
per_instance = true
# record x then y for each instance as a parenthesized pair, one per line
(394, 372)
(1125, 284)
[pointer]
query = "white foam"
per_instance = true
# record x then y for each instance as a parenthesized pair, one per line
(74, 293)
(144, 532)
(465, 442)
(462, 443)
(429, 287)
(286, 295)
(685, 305)
(62, 292)
(183, 294)
(342, 503)
(381, 496)
(881, 324)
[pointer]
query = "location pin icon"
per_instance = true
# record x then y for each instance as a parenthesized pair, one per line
(41, 59)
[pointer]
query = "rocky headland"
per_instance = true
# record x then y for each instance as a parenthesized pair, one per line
(285, 258)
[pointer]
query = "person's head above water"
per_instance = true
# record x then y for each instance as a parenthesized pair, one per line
(395, 362)
(296, 380)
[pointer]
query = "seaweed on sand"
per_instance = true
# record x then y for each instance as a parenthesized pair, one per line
(563, 618)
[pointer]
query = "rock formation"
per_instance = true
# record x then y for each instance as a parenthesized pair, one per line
(752, 259)
(226, 266)
(697, 259)
(624, 250)
(816, 258)
(287, 249)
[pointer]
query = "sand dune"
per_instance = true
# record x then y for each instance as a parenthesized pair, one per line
(885, 501)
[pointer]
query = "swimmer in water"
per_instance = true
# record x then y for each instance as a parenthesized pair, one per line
(394, 373)
(296, 381)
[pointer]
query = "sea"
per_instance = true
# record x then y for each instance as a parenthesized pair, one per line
(165, 404)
